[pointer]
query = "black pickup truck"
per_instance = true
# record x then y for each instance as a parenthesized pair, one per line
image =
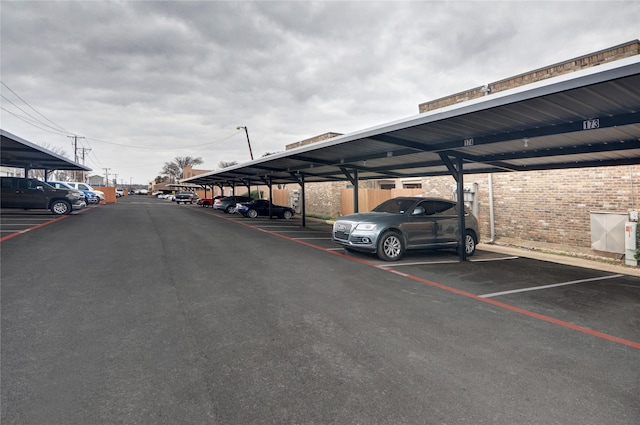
(26, 193)
(185, 197)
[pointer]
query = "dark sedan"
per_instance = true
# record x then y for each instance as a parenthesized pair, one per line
(261, 207)
(228, 203)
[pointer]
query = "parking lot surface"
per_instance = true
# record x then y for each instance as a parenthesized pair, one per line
(178, 314)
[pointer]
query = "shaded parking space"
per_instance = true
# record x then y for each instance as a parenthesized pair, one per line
(604, 304)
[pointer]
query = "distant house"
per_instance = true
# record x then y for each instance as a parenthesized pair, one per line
(95, 180)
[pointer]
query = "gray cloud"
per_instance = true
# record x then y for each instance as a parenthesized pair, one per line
(147, 81)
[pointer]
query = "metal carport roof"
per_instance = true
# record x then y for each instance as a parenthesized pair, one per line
(18, 153)
(584, 119)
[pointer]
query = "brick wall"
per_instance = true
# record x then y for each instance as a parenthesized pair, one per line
(548, 206)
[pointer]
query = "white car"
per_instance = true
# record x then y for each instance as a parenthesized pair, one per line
(84, 186)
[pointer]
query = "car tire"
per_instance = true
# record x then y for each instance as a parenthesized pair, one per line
(287, 215)
(252, 214)
(229, 210)
(61, 207)
(390, 246)
(469, 243)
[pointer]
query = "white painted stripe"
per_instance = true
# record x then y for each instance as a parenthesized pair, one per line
(555, 285)
(20, 224)
(420, 263)
(493, 259)
(11, 219)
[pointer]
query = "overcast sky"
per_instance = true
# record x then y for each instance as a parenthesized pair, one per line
(143, 82)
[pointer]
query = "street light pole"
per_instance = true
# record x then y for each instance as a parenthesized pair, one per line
(248, 142)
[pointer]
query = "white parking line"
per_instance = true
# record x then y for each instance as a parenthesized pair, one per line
(12, 219)
(418, 263)
(494, 259)
(555, 285)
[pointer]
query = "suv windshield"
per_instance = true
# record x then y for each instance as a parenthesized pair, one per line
(395, 206)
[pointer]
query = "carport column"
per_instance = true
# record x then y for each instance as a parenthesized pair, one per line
(269, 185)
(458, 174)
(304, 201)
(461, 227)
(355, 192)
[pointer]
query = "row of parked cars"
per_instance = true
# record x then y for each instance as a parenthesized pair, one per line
(58, 197)
(246, 206)
(389, 230)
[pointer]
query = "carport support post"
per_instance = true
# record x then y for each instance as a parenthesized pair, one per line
(458, 174)
(356, 207)
(270, 185)
(304, 203)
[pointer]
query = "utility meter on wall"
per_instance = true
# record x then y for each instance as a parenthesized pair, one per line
(633, 216)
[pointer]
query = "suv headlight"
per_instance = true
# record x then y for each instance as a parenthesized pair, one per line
(366, 227)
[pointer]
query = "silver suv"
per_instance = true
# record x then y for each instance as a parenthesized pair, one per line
(405, 223)
(25, 193)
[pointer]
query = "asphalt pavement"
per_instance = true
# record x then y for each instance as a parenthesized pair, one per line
(147, 312)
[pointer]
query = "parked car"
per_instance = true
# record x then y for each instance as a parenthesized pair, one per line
(406, 223)
(85, 202)
(207, 202)
(260, 207)
(185, 197)
(119, 192)
(85, 187)
(90, 196)
(228, 203)
(25, 193)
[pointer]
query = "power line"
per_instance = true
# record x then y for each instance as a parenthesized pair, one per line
(59, 128)
(33, 123)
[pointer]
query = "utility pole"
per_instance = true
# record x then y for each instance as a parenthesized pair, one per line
(84, 151)
(248, 141)
(106, 176)
(75, 152)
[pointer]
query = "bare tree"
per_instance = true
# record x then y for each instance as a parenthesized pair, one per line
(225, 164)
(175, 168)
(55, 174)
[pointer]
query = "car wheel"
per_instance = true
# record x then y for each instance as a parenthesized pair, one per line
(230, 209)
(252, 213)
(287, 215)
(469, 244)
(390, 246)
(61, 207)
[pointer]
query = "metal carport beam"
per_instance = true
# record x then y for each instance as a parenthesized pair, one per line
(299, 178)
(457, 172)
(354, 181)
